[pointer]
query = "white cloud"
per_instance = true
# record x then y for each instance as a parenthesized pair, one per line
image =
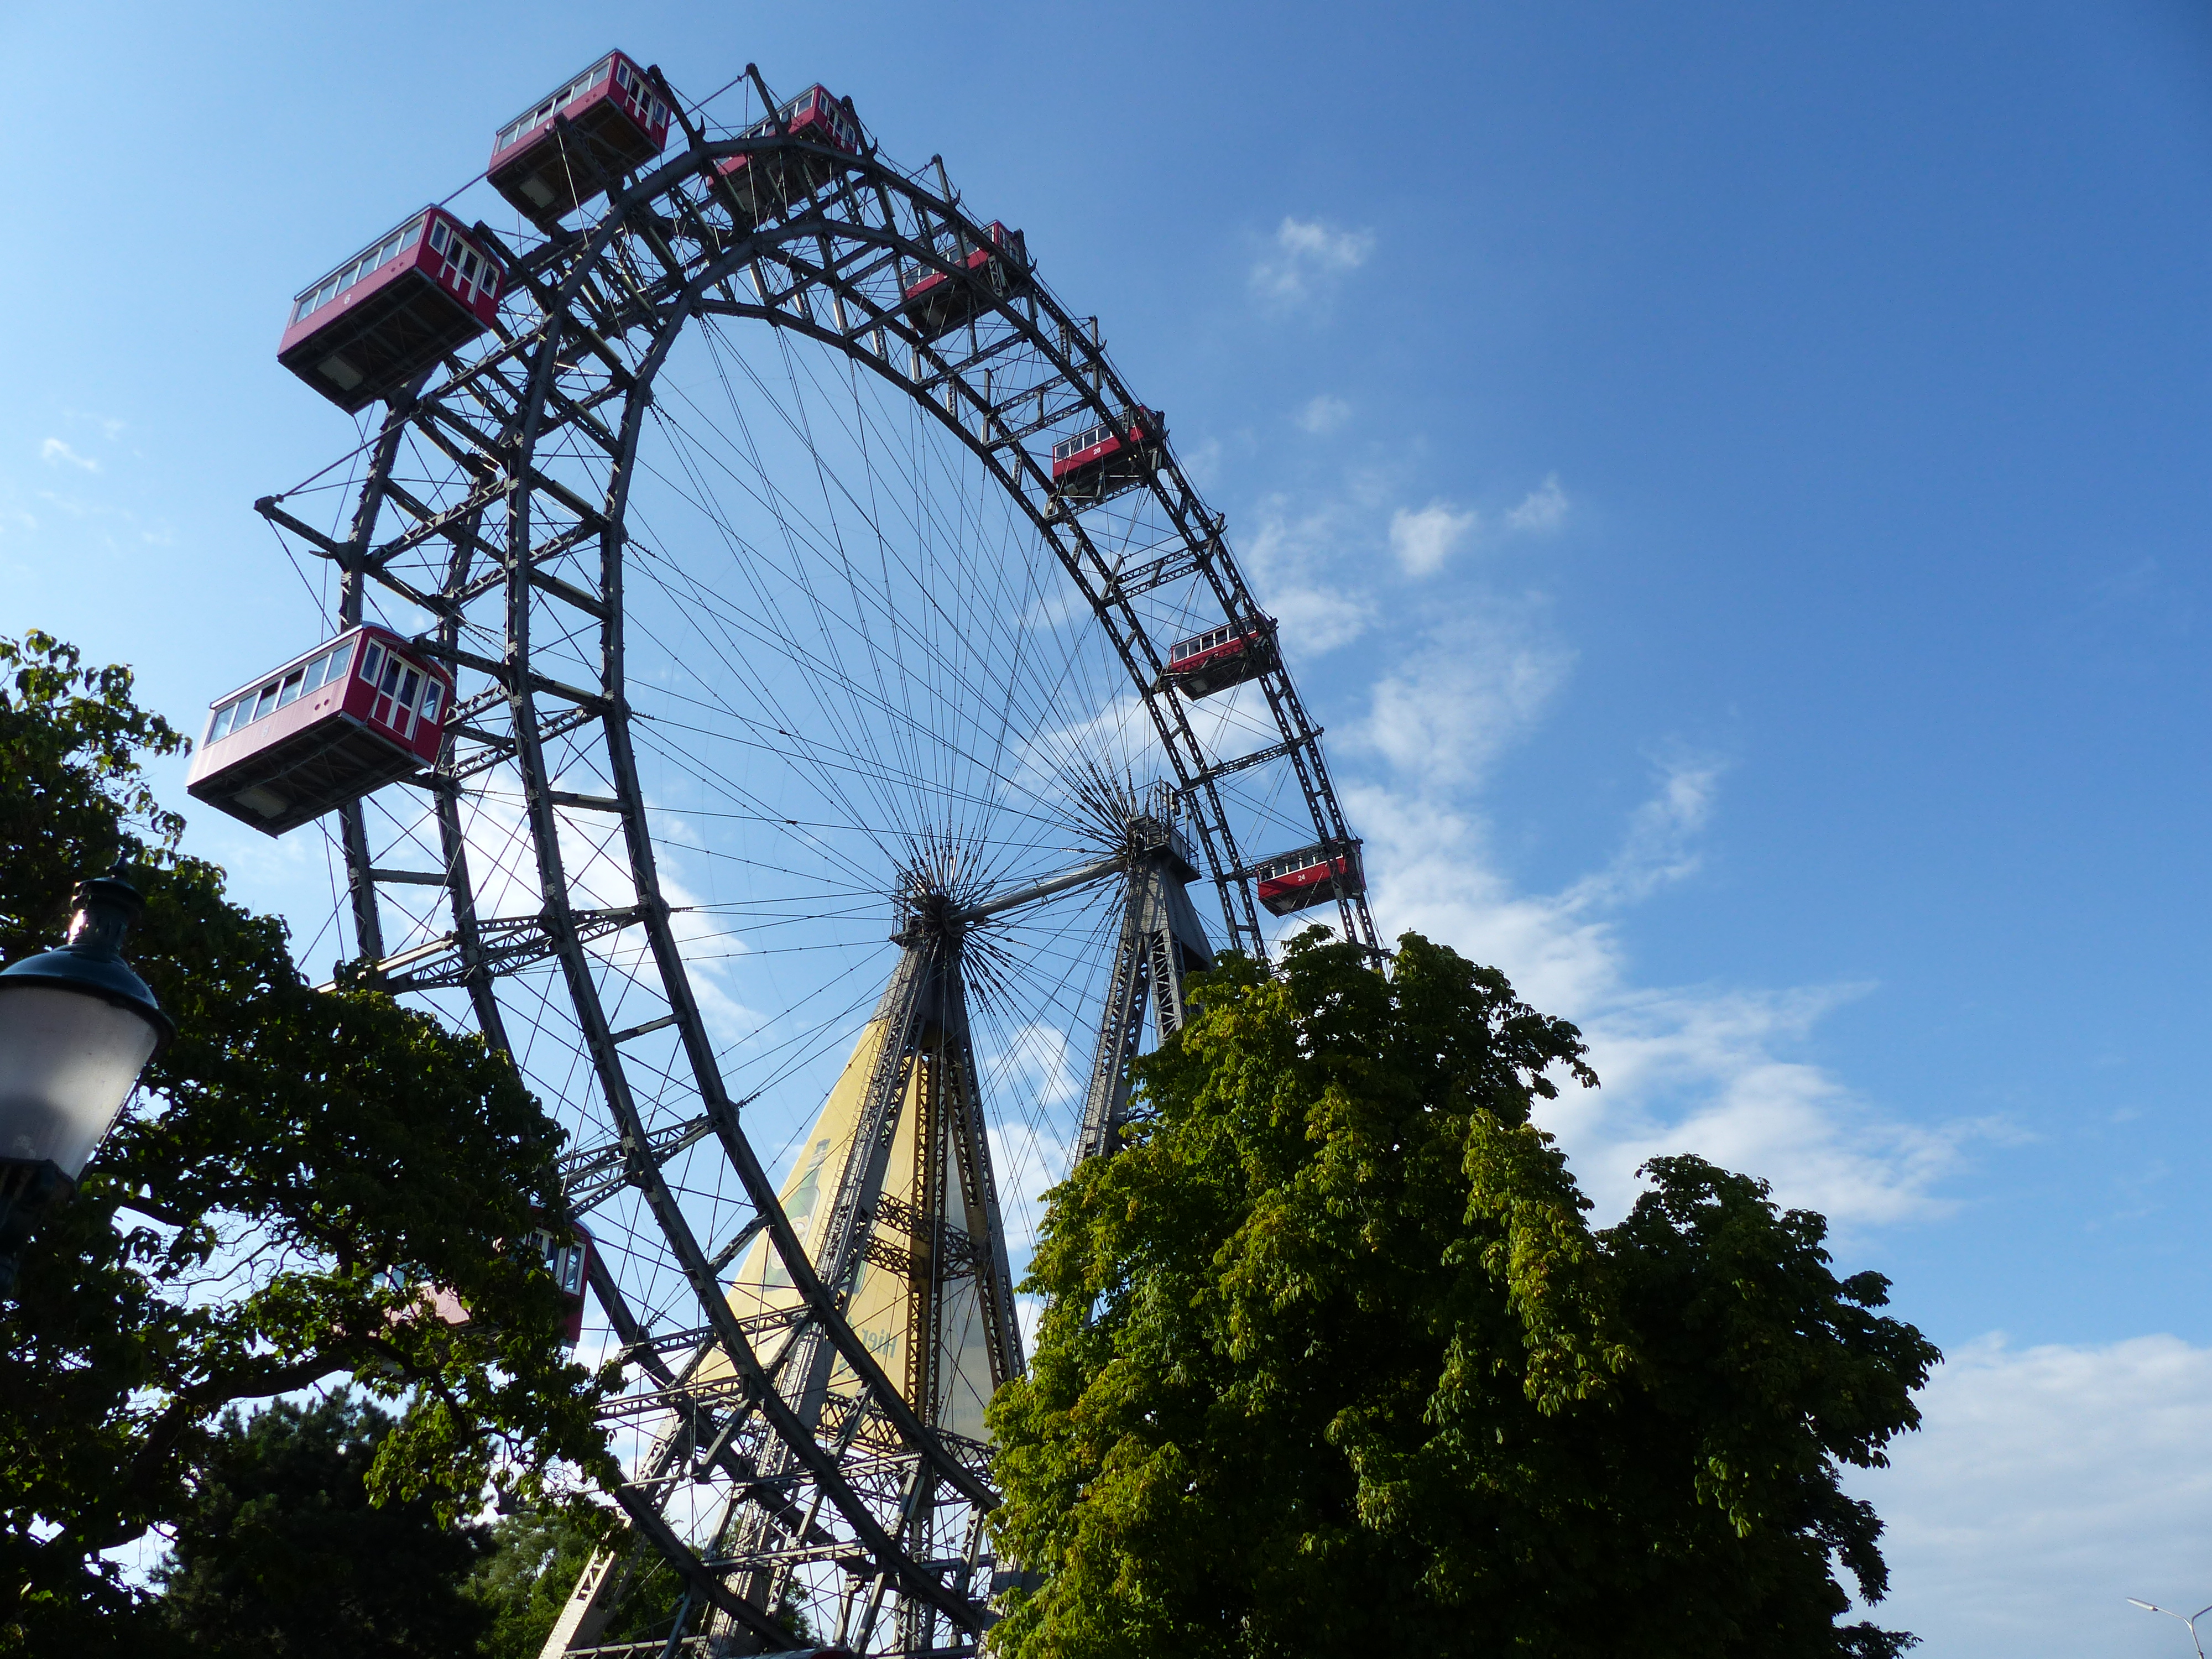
(1308, 257)
(53, 451)
(709, 942)
(110, 428)
(1053, 609)
(2046, 1487)
(1657, 849)
(1294, 561)
(1423, 538)
(1115, 732)
(1541, 511)
(1703, 1068)
(1311, 559)
(1028, 1314)
(1037, 1061)
(1452, 706)
(1202, 462)
(1026, 1161)
(1323, 414)
(1319, 618)
(1696, 1068)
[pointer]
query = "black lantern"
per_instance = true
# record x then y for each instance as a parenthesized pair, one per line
(77, 1027)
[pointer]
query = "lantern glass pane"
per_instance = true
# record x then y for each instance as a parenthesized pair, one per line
(67, 1063)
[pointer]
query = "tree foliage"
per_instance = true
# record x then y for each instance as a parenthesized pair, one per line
(1333, 1363)
(281, 1551)
(536, 1558)
(296, 1166)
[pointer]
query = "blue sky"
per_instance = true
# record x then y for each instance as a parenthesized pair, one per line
(1735, 480)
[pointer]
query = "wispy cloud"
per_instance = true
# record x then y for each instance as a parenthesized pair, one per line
(1541, 511)
(1316, 559)
(1296, 560)
(2046, 1485)
(1323, 414)
(1027, 1160)
(1202, 462)
(1042, 1059)
(13, 517)
(107, 426)
(1659, 847)
(1308, 257)
(54, 452)
(1474, 686)
(1423, 538)
(1704, 1068)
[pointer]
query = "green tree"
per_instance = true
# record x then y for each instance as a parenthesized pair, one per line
(281, 1551)
(1333, 1362)
(528, 1577)
(523, 1583)
(235, 1238)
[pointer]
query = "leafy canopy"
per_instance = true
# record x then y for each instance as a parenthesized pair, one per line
(296, 1166)
(281, 1551)
(1333, 1362)
(526, 1582)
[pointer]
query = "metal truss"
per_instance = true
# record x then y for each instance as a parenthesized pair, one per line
(812, 1454)
(1161, 941)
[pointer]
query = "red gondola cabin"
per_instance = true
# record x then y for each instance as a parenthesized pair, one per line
(362, 711)
(993, 269)
(812, 118)
(611, 107)
(1310, 876)
(390, 312)
(1090, 464)
(569, 1258)
(1220, 657)
(567, 1253)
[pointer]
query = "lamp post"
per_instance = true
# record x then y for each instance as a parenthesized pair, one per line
(77, 1027)
(2153, 1607)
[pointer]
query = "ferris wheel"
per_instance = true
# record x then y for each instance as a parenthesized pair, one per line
(785, 692)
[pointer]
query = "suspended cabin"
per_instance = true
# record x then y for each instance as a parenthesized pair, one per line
(1220, 657)
(567, 1257)
(1096, 461)
(619, 122)
(1310, 876)
(367, 328)
(993, 269)
(763, 181)
(362, 711)
(565, 1253)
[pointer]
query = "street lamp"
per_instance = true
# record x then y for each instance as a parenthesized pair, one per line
(77, 1027)
(2153, 1607)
